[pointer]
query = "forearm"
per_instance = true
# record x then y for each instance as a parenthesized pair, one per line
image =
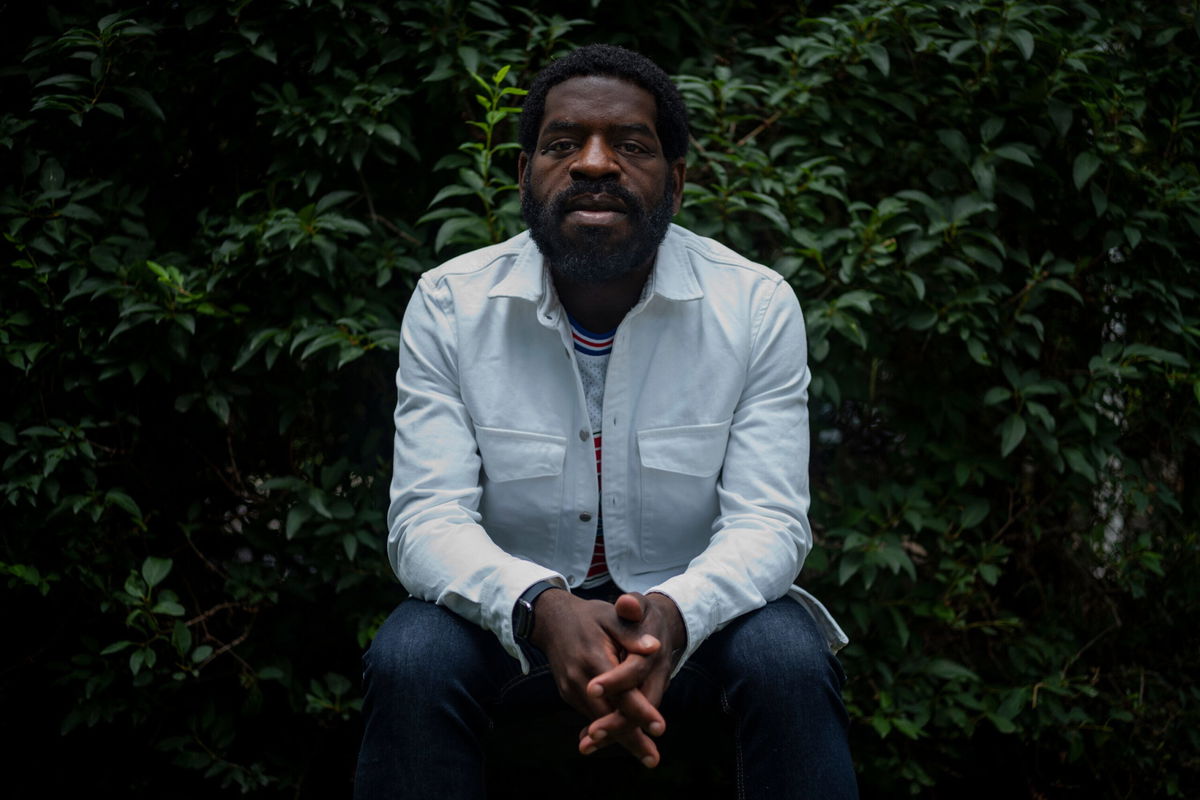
(451, 560)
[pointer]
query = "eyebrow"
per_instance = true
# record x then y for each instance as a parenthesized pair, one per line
(558, 125)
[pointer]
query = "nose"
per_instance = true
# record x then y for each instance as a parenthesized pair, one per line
(595, 160)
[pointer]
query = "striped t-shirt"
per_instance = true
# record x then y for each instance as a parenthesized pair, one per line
(591, 353)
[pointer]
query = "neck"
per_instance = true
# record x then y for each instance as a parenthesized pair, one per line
(600, 307)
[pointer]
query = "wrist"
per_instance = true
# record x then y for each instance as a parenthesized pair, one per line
(673, 625)
(545, 609)
(524, 616)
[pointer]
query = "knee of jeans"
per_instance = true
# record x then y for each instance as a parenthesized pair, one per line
(420, 652)
(784, 652)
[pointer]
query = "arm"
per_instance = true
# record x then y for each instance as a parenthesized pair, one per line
(436, 544)
(762, 535)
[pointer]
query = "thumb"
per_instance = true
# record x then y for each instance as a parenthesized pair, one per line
(631, 607)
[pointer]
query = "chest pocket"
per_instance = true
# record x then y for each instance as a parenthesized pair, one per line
(522, 485)
(680, 468)
(517, 455)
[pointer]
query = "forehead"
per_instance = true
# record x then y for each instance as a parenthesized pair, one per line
(599, 101)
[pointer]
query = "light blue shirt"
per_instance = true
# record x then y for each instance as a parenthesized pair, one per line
(706, 444)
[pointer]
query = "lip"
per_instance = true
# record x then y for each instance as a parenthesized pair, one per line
(596, 202)
(587, 216)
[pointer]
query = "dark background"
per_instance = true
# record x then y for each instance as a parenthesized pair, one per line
(213, 215)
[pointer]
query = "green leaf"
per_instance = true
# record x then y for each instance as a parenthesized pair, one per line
(978, 352)
(974, 512)
(949, 670)
(996, 394)
(1156, 354)
(202, 652)
(334, 198)
(144, 100)
(856, 299)
(219, 405)
(83, 213)
(106, 22)
(1013, 153)
(1061, 114)
(1086, 164)
(266, 51)
(1023, 39)
(169, 607)
(123, 501)
(181, 637)
(316, 499)
(115, 647)
(1079, 463)
(956, 143)
(879, 57)
(1012, 431)
(111, 108)
(1003, 725)
(155, 570)
(1133, 236)
(296, 517)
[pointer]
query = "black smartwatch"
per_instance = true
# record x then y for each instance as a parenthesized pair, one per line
(523, 610)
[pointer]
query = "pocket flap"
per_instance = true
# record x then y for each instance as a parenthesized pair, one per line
(516, 455)
(697, 450)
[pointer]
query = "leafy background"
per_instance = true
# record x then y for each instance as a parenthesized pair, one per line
(213, 215)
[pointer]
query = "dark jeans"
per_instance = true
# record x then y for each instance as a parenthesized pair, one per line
(435, 683)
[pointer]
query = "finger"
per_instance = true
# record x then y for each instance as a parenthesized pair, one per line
(641, 746)
(629, 674)
(622, 722)
(631, 607)
(609, 728)
(634, 740)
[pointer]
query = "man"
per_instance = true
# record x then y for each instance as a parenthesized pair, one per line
(600, 482)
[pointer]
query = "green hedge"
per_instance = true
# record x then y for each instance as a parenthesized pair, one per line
(214, 212)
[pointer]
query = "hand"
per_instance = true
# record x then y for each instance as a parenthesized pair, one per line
(636, 685)
(583, 639)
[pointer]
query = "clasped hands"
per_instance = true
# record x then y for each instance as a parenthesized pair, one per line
(612, 662)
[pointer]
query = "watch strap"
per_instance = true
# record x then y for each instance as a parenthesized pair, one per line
(523, 610)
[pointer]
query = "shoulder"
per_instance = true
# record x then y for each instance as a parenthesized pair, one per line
(716, 259)
(487, 264)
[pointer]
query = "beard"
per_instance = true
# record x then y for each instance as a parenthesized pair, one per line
(594, 254)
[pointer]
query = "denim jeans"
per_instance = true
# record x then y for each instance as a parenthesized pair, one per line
(435, 683)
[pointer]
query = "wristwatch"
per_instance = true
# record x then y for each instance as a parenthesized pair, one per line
(523, 610)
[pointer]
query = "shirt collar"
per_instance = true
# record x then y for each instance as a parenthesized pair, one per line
(672, 277)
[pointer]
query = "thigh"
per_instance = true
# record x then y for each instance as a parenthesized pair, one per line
(777, 645)
(424, 652)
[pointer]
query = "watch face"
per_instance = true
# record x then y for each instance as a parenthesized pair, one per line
(524, 618)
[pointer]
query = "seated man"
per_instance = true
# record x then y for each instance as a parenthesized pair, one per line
(600, 481)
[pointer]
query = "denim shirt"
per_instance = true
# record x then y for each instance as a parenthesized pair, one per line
(706, 444)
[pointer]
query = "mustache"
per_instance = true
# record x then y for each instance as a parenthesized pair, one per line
(608, 186)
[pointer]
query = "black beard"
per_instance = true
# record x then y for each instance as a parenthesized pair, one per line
(594, 256)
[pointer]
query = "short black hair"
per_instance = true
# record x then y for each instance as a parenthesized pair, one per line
(614, 62)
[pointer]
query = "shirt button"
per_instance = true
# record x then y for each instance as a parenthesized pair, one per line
(583, 436)
(570, 579)
(585, 517)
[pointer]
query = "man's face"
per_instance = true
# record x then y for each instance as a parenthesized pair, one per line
(597, 192)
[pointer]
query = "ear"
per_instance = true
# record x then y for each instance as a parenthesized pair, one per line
(522, 165)
(679, 173)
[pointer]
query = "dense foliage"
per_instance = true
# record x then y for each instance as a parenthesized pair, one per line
(214, 212)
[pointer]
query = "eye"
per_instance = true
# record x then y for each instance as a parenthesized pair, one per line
(558, 146)
(632, 148)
